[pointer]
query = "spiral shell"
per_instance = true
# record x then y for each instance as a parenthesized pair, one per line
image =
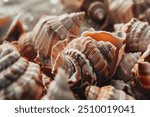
(59, 89)
(19, 78)
(10, 28)
(86, 61)
(106, 93)
(51, 29)
(138, 35)
(126, 64)
(141, 71)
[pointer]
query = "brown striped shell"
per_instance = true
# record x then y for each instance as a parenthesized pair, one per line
(141, 71)
(19, 78)
(87, 61)
(138, 35)
(126, 64)
(10, 28)
(59, 89)
(106, 93)
(51, 29)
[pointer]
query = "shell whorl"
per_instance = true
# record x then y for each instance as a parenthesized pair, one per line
(59, 89)
(126, 64)
(106, 93)
(19, 78)
(51, 29)
(138, 35)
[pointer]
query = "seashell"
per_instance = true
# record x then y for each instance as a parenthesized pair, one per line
(125, 66)
(10, 28)
(96, 10)
(59, 89)
(138, 36)
(51, 29)
(86, 61)
(141, 72)
(145, 16)
(19, 78)
(26, 47)
(122, 10)
(106, 93)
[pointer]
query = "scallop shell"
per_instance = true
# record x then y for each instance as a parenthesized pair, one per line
(10, 28)
(86, 61)
(141, 71)
(126, 64)
(59, 89)
(19, 78)
(138, 35)
(106, 93)
(51, 29)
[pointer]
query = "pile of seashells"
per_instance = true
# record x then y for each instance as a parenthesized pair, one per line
(56, 60)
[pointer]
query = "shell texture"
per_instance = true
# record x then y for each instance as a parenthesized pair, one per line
(87, 61)
(106, 93)
(141, 71)
(50, 30)
(126, 64)
(59, 89)
(138, 35)
(19, 78)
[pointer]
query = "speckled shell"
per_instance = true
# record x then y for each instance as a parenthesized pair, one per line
(126, 64)
(10, 28)
(141, 71)
(122, 10)
(138, 35)
(19, 78)
(51, 29)
(59, 89)
(87, 61)
(106, 93)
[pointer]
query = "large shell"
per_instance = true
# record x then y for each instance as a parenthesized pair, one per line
(19, 78)
(141, 71)
(10, 28)
(106, 93)
(87, 61)
(138, 35)
(59, 89)
(126, 64)
(51, 29)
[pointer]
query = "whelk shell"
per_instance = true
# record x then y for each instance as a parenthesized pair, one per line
(106, 93)
(138, 35)
(59, 89)
(19, 78)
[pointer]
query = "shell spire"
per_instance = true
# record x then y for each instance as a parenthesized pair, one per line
(19, 78)
(106, 93)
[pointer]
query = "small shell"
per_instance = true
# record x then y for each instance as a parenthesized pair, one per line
(146, 16)
(19, 78)
(59, 89)
(138, 35)
(51, 29)
(141, 71)
(126, 64)
(106, 93)
(10, 28)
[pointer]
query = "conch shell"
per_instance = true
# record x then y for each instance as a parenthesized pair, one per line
(51, 29)
(141, 71)
(106, 93)
(86, 61)
(19, 78)
(138, 36)
(59, 89)
(126, 64)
